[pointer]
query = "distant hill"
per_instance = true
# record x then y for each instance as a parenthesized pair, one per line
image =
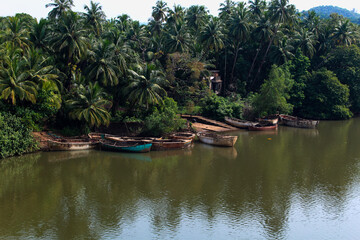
(325, 11)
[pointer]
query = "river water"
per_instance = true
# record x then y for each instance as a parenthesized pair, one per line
(289, 184)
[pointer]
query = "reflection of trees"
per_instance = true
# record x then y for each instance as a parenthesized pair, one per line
(104, 192)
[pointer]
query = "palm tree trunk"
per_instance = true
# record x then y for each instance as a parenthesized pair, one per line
(253, 63)
(234, 64)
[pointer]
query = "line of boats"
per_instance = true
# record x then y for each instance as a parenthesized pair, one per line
(271, 122)
(109, 142)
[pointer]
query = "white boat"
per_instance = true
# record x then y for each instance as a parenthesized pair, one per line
(216, 139)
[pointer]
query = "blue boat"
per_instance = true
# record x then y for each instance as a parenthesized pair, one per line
(126, 146)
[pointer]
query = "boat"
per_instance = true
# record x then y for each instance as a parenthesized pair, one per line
(298, 122)
(216, 139)
(125, 146)
(170, 144)
(96, 136)
(239, 123)
(183, 135)
(71, 144)
(261, 127)
(126, 139)
(269, 120)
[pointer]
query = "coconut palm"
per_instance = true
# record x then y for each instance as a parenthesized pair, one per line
(145, 86)
(178, 39)
(94, 17)
(102, 67)
(59, 8)
(281, 52)
(212, 36)
(16, 33)
(306, 41)
(88, 104)
(257, 7)
(39, 33)
(177, 15)
(159, 11)
(344, 33)
(15, 83)
(196, 17)
(226, 9)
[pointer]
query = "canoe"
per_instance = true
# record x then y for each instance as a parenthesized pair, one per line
(216, 139)
(260, 127)
(126, 139)
(126, 146)
(170, 144)
(97, 136)
(183, 135)
(239, 123)
(298, 122)
(71, 144)
(269, 120)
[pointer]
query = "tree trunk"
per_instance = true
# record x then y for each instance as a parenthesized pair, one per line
(253, 63)
(234, 64)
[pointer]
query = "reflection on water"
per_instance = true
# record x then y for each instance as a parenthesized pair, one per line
(289, 184)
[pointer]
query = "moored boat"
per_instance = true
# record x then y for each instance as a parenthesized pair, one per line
(95, 135)
(71, 144)
(183, 135)
(269, 120)
(170, 144)
(260, 127)
(298, 122)
(239, 123)
(125, 146)
(126, 139)
(216, 139)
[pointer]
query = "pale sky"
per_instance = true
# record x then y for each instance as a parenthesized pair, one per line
(141, 9)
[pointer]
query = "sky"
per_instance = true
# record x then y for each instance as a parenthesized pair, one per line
(141, 9)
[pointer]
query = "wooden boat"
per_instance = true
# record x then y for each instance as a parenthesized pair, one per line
(126, 139)
(96, 136)
(298, 122)
(126, 146)
(216, 139)
(260, 127)
(71, 144)
(183, 135)
(170, 144)
(239, 123)
(269, 120)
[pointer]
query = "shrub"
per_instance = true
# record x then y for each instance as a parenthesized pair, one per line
(164, 119)
(15, 137)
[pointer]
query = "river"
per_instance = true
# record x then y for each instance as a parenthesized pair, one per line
(289, 184)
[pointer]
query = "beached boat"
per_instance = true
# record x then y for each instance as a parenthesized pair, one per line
(298, 122)
(71, 144)
(126, 139)
(260, 127)
(96, 136)
(269, 120)
(125, 146)
(183, 135)
(170, 144)
(216, 139)
(239, 123)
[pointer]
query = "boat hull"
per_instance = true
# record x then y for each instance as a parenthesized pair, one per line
(263, 128)
(217, 140)
(171, 144)
(136, 148)
(183, 136)
(298, 122)
(239, 123)
(70, 146)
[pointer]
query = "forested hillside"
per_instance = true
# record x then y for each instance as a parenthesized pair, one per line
(326, 11)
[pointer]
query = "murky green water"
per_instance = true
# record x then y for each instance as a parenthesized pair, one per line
(295, 184)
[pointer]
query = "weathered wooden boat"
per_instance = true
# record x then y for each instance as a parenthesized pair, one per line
(71, 144)
(239, 123)
(96, 136)
(183, 135)
(269, 120)
(125, 146)
(298, 122)
(260, 127)
(170, 144)
(216, 139)
(126, 139)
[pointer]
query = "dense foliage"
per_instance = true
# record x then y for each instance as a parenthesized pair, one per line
(81, 69)
(326, 11)
(15, 136)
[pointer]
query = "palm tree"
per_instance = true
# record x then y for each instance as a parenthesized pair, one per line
(176, 16)
(282, 52)
(59, 8)
(196, 17)
(344, 33)
(159, 11)
(226, 9)
(306, 41)
(239, 28)
(94, 17)
(257, 7)
(178, 39)
(39, 33)
(88, 104)
(212, 36)
(69, 38)
(15, 83)
(102, 67)
(16, 33)
(145, 86)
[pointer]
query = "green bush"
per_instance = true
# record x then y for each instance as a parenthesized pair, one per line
(163, 120)
(216, 107)
(15, 137)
